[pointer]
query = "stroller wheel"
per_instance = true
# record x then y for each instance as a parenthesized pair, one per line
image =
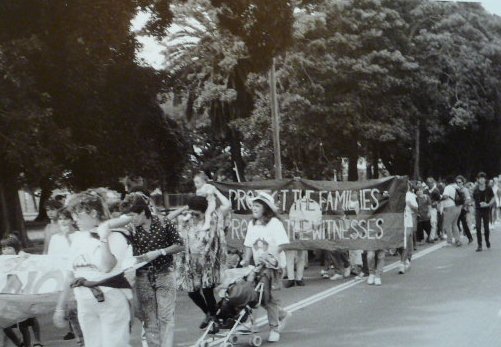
(234, 339)
(256, 341)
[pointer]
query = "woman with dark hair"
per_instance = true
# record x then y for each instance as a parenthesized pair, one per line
(96, 252)
(154, 241)
(263, 243)
(201, 264)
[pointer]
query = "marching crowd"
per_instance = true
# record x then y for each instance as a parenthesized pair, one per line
(434, 211)
(186, 250)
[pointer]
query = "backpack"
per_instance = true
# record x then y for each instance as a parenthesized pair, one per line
(460, 197)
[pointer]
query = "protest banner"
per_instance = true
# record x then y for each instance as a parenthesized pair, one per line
(29, 286)
(326, 215)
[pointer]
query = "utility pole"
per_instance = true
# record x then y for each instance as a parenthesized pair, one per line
(275, 122)
(417, 150)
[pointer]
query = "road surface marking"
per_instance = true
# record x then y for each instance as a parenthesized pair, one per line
(337, 289)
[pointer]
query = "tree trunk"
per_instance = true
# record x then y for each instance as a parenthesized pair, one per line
(353, 160)
(368, 169)
(10, 208)
(236, 153)
(44, 196)
(19, 224)
(374, 158)
(417, 151)
(352, 167)
(5, 227)
(165, 189)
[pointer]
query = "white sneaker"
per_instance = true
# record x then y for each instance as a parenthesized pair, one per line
(360, 276)
(401, 268)
(336, 277)
(377, 281)
(407, 265)
(347, 272)
(324, 274)
(274, 336)
(370, 280)
(283, 322)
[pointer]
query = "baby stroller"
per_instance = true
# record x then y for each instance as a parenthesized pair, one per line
(240, 295)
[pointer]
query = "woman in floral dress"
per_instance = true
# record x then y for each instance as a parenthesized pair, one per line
(201, 265)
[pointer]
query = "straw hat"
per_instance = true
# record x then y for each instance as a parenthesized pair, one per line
(266, 199)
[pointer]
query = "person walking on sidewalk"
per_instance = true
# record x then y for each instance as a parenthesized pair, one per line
(484, 199)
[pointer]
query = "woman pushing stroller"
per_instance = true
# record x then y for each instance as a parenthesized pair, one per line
(263, 242)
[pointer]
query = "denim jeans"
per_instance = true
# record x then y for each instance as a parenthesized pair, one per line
(156, 293)
(340, 260)
(271, 304)
(375, 261)
(482, 216)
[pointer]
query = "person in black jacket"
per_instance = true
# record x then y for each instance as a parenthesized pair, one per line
(484, 199)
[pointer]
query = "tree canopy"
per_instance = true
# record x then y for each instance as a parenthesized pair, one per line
(77, 106)
(369, 78)
(410, 83)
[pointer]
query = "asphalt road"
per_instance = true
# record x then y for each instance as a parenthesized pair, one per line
(450, 297)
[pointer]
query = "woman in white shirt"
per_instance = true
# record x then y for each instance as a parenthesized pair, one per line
(264, 240)
(103, 310)
(451, 211)
(60, 244)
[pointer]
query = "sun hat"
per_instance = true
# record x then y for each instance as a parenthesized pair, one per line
(266, 199)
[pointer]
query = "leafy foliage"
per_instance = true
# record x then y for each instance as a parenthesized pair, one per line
(75, 103)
